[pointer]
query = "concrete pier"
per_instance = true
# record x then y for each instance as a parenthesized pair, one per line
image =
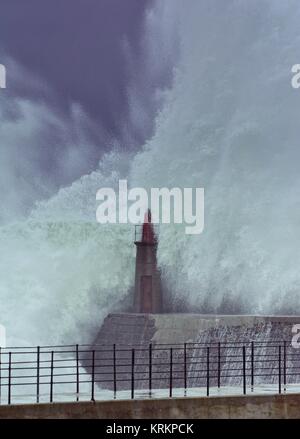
(234, 407)
(138, 328)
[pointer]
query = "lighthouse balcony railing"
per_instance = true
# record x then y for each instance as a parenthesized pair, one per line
(147, 235)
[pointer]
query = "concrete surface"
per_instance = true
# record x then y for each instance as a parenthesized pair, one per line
(234, 407)
(137, 330)
(133, 328)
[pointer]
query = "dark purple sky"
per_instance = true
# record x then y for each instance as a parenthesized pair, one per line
(75, 48)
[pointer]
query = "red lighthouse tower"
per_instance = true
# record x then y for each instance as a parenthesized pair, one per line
(148, 298)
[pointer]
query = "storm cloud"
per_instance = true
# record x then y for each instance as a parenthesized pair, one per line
(78, 85)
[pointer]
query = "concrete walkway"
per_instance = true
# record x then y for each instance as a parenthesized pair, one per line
(215, 407)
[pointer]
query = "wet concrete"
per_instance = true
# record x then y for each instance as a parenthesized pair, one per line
(133, 329)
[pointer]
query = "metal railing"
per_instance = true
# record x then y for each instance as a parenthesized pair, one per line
(141, 234)
(49, 373)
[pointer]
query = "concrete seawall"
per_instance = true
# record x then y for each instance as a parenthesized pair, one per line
(235, 407)
(137, 330)
(132, 329)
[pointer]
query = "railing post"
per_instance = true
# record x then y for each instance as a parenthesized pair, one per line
(9, 378)
(51, 376)
(252, 366)
(219, 365)
(174, 372)
(284, 365)
(244, 371)
(93, 376)
(132, 372)
(150, 369)
(38, 374)
(185, 369)
(207, 371)
(77, 372)
(279, 369)
(171, 373)
(115, 370)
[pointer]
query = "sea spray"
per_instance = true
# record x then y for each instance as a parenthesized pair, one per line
(230, 124)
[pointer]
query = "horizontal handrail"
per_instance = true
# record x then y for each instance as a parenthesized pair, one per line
(138, 367)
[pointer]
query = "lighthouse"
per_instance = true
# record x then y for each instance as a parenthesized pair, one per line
(147, 297)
